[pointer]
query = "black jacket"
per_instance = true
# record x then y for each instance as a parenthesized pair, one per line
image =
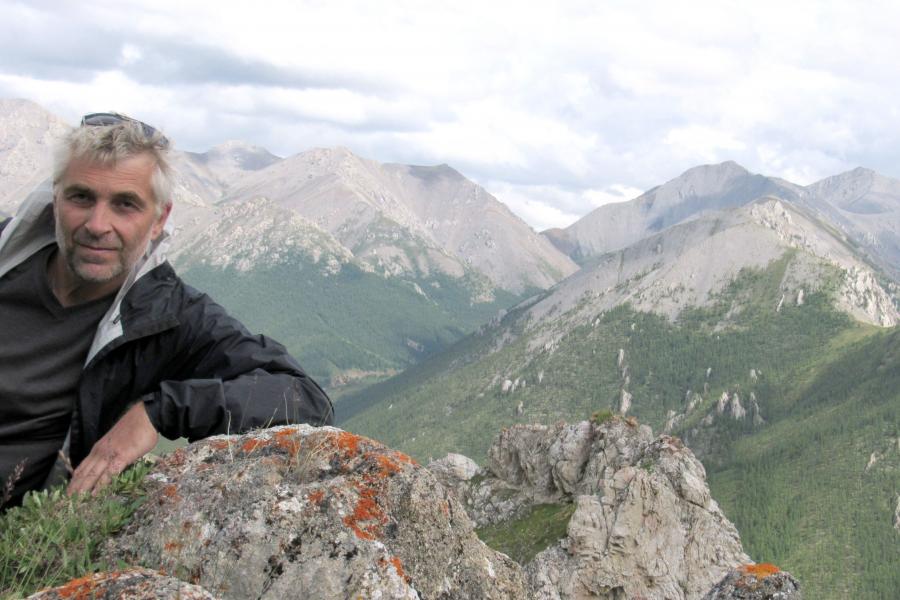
(198, 370)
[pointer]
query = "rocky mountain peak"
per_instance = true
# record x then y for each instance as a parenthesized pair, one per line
(861, 191)
(247, 157)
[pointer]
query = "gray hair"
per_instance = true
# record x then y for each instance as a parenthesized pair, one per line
(109, 144)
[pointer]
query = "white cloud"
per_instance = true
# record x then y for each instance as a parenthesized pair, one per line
(550, 105)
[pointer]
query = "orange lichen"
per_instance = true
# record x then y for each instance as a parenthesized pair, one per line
(85, 588)
(219, 444)
(761, 570)
(398, 566)
(367, 517)
(252, 444)
(348, 443)
(387, 464)
(169, 492)
(173, 546)
(288, 440)
(316, 496)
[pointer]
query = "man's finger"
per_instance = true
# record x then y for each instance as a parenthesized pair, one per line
(86, 475)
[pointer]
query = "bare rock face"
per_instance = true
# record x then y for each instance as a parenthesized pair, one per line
(133, 584)
(756, 582)
(644, 524)
(302, 512)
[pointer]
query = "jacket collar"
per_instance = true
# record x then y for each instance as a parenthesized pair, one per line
(32, 228)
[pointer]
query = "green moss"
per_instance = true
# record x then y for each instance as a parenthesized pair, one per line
(523, 538)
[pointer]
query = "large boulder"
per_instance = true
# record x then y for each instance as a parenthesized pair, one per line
(644, 524)
(302, 512)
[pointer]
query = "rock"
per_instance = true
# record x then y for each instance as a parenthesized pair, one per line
(897, 514)
(696, 399)
(800, 297)
(756, 582)
(520, 408)
(722, 403)
(780, 303)
(133, 584)
(454, 467)
(507, 385)
(737, 410)
(754, 376)
(625, 401)
(520, 457)
(644, 524)
(673, 419)
(620, 359)
(755, 411)
(302, 512)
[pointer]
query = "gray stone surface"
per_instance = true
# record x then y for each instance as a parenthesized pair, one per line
(299, 512)
(644, 524)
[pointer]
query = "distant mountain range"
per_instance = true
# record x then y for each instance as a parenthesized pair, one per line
(861, 204)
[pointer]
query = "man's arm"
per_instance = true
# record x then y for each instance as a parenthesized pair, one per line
(234, 382)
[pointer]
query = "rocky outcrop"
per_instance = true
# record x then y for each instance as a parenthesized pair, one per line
(644, 523)
(133, 584)
(756, 582)
(299, 512)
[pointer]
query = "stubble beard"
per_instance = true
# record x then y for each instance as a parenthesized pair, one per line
(78, 267)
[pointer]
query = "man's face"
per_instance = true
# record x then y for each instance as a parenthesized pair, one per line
(105, 217)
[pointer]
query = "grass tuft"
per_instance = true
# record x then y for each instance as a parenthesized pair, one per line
(54, 538)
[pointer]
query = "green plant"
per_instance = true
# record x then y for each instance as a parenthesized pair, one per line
(524, 537)
(53, 538)
(602, 416)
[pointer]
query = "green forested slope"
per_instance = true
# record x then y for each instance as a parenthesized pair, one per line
(795, 486)
(353, 320)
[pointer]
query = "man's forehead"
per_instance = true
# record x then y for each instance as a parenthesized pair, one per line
(134, 172)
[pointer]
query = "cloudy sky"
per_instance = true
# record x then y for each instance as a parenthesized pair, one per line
(556, 107)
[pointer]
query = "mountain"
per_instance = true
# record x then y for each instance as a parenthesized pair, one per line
(865, 206)
(759, 333)
(861, 204)
(696, 192)
(27, 137)
(404, 219)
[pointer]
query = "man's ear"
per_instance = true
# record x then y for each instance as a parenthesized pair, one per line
(160, 222)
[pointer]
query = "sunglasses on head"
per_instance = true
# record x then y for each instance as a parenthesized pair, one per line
(110, 118)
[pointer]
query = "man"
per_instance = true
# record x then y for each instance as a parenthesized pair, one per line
(101, 344)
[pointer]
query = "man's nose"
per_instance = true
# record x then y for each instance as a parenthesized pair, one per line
(99, 220)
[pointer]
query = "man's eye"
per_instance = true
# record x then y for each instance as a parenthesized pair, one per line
(78, 197)
(127, 205)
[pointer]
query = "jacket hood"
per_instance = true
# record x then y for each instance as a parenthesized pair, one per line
(32, 228)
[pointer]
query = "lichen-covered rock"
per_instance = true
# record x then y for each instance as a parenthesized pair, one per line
(302, 512)
(644, 524)
(133, 584)
(756, 582)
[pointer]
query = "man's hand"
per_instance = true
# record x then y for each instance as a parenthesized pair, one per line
(130, 438)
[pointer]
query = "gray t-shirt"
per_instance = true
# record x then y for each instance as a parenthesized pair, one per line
(43, 346)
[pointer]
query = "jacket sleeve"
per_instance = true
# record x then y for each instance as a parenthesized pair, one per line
(234, 381)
